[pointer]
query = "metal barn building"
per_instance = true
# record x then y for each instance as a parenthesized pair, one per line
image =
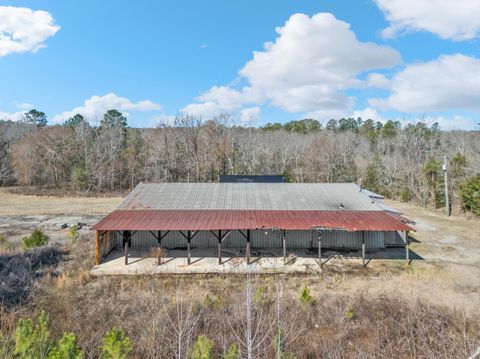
(249, 215)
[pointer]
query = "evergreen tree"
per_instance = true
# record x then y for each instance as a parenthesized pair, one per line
(67, 348)
(470, 193)
(113, 118)
(233, 352)
(305, 296)
(202, 349)
(36, 117)
(33, 341)
(332, 125)
(116, 345)
(390, 129)
(75, 121)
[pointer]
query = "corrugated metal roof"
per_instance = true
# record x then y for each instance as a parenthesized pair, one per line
(248, 196)
(389, 209)
(144, 220)
(251, 179)
(372, 194)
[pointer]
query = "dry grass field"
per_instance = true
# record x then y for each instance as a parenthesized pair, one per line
(436, 293)
(13, 204)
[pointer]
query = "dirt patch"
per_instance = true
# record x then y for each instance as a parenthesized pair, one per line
(443, 239)
(21, 214)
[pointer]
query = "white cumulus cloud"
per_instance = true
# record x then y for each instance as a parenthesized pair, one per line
(12, 116)
(250, 114)
(307, 68)
(451, 123)
(368, 113)
(448, 19)
(222, 99)
(95, 107)
(451, 82)
(24, 30)
(377, 80)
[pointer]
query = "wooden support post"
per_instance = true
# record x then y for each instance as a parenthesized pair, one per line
(247, 252)
(97, 249)
(159, 238)
(407, 250)
(363, 248)
(189, 254)
(320, 249)
(127, 242)
(219, 247)
(284, 247)
(126, 252)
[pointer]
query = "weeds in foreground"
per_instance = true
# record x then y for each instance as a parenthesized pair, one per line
(36, 239)
(33, 339)
(305, 296)
(158, 313)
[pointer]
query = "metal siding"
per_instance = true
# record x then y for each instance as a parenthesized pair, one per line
(295, 240)
(393, 239)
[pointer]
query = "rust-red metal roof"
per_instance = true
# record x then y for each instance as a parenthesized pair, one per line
(154, 220)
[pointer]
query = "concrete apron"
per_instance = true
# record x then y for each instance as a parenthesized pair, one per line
(205, 261)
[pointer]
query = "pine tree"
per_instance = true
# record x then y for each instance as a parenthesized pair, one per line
(67, 348)
(202, 349)
(116, 345)
(33, 341)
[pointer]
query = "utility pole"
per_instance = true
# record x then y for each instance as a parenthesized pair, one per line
(445, 174)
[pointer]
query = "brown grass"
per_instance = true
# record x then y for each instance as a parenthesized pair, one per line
(345, 321)
(13, 204)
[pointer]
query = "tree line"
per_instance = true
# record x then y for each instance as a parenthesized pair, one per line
(399, 162)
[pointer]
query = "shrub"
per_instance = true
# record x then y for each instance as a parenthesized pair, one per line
(33, 340)
(67, 348)
(260, 296)
(157, 252)
(4, 243)
(233, 352)
(211, 303)
(305, 296)
(202, 349)
(36, 239)
(73, 233)
(116, 345)
(350, 313)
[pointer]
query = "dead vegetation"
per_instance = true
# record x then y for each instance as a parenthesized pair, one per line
(19, 271)
(163, 316)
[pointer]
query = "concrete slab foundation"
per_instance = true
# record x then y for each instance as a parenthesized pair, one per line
(205, 261)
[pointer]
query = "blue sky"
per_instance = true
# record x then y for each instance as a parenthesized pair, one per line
(386, 59)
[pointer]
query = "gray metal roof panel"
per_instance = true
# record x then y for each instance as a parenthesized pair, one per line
(372, 194)
(255, 196)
